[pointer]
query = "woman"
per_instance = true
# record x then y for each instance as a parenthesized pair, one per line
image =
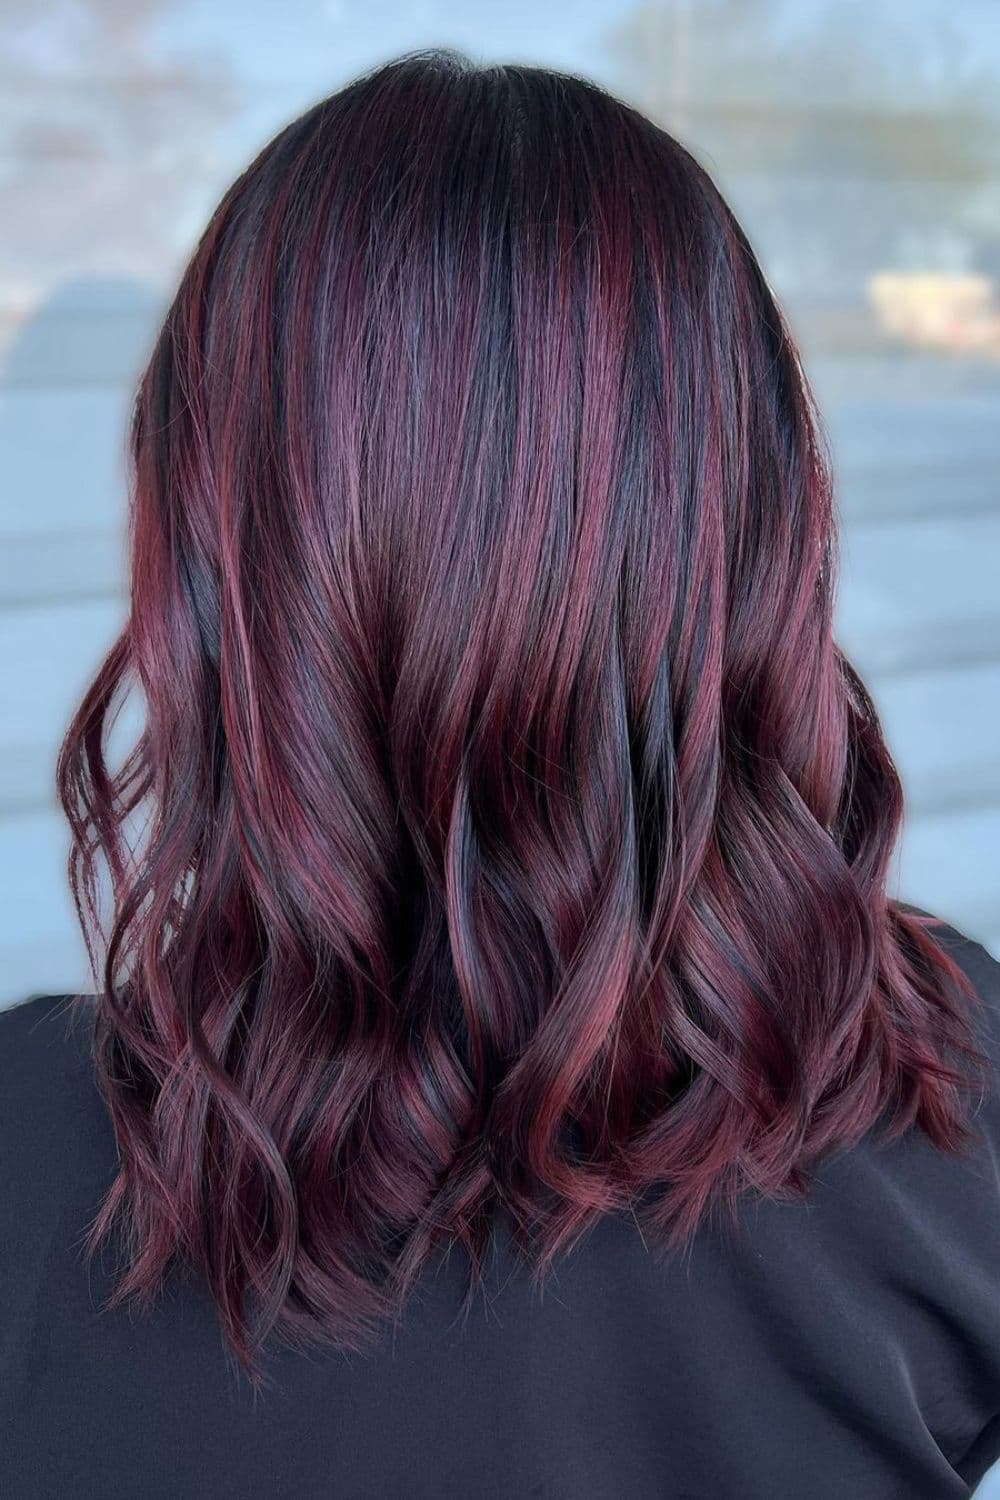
(502, 1027)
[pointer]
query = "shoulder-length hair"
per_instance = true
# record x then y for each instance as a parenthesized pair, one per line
(506, 834)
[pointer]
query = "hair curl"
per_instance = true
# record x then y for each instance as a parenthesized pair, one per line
(505, 833)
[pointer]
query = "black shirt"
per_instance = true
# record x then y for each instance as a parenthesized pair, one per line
(844, 1347)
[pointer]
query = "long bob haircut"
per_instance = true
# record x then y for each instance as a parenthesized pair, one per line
(504, 835)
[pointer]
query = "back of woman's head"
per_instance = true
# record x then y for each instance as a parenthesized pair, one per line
(513, 835)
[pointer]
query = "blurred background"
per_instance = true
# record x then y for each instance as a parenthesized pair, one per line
(858, 142)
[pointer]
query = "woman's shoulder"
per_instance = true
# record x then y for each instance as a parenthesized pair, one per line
(53, 1125)
(44, 1041)
(982, 971)
(971, 956)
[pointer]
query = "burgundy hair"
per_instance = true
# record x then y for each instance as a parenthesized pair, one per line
(506, 833)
